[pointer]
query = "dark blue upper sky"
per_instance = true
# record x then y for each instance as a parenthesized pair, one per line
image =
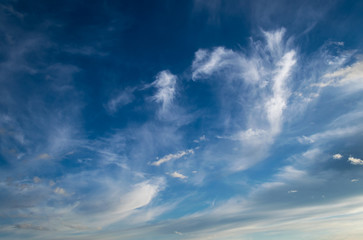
(181, 119)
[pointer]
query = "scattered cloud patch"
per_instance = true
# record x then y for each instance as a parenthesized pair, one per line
(60, 191)
(178, 175)
(170, 157)
(292, 191)
(337, 156)
(44, 156)
(355, 180)
(201, 139)
(355, 161)
(305, 140)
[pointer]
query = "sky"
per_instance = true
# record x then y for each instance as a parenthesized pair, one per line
(181, 120)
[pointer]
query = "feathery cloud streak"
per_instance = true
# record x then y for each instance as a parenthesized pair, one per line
(165, 84)
(266, 74)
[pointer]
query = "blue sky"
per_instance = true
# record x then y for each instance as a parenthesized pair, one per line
(181, 120)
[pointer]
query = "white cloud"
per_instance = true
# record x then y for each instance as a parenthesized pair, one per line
(330, 134)
(348, 78)
(252, 136)
(36, 179)
(141, 195)
(292, 191)
(355, 180)
(206, 63)
(266, 71)
(60, 191)
(201, 139)
(355, 161)
(116, 204)
(289, 173)
(274, 40)
(165, 83)
(178, 175)
(351, 76)
(337, 156)
(111, 200)
(276, 105)
(305, 140)
(170, 157)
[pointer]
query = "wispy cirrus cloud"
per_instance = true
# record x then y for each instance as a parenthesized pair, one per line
(233, 219)
(349, 77)
(329, 134)
(265, 72)
(79, 206)
(165, 95)
(71, 170)
(165, 84)
(121, 99)
(207, 62)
